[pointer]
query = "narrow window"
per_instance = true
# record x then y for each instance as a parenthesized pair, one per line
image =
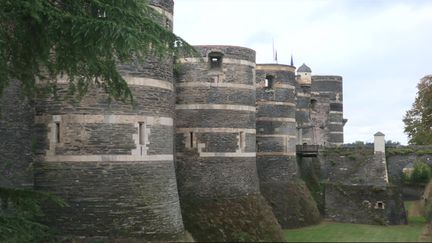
(268, 83)
(141, 132)
(242, 141)
(191, 140)
(379, 205)
(57, 132)
(313, 104)
(215, 60)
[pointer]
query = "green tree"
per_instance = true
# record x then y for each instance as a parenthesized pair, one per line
(82, 40)
(418, 120)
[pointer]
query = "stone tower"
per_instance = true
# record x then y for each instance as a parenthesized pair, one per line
(276, 147)
(111, 162)
(276, 122)
(327, 110)
(215, 144)
(303, 92)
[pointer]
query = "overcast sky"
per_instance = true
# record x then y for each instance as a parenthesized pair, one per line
(381, 47)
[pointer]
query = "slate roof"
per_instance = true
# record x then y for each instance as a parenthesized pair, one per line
(304, 69)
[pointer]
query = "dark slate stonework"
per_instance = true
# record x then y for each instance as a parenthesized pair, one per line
(275, 127)
(122, 200)
(353, 166)
(360, 204)
(115, 200)
(327, 91)
(159, 144)
(277, 169)
(214, 95)
(226, 178)
(215, 177)
(303, 114)
(356, 178)
(276, 111)
(234, 52)
(270, 144)
(292, 203)
(215, 119)
(280, 95)
(148, 101)
(96, 139)
(16, 139)
(280, 181)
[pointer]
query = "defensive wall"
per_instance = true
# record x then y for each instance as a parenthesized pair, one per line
(213, 140)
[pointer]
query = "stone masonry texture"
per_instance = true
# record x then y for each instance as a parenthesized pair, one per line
(16, 139)
(216, 176)
(215, 142)
(327, 112)
(210, 137)
(132, 196)
(280, 182)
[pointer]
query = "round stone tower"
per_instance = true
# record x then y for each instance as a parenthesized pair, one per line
(305, 133)
(276, 122)
(112, 162)
(215, 144)
(278, 173)
(327, 93)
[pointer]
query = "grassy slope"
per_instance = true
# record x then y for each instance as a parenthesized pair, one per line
(340, 232)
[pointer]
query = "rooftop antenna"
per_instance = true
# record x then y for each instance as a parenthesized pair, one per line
(292, 60)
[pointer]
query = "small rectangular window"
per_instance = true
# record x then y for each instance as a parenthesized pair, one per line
(191, 140)
(242, 141)
(215, 60)
(141, 132)
(268, 83)
(57, 132)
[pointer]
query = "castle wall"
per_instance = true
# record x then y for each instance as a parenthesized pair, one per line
(356, 187)
(362, 204)
(215, 145)
(112, 162)
(327, 113)
(276, 124)
(16, 140)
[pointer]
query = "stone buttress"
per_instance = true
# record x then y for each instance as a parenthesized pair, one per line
(112, 162)
(276, 147)
(215, 144)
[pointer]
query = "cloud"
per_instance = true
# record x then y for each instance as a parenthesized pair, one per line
(380, 47)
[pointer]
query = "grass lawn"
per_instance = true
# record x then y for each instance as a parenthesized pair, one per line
(341, 232)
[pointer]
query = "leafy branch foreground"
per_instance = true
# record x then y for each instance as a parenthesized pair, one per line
(19, 211)
(82, 40)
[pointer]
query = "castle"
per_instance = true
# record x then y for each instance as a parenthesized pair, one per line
(214, 144)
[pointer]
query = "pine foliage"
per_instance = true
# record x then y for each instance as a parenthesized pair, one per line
(83, 40)
(19, 213)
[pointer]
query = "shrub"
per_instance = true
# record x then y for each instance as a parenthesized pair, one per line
(421, 174)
